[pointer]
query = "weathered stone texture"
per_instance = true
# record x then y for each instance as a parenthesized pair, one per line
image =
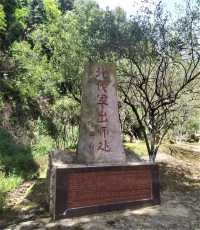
(100, 134)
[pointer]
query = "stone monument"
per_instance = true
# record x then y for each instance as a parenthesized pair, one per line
(98, 178)
(100, 139)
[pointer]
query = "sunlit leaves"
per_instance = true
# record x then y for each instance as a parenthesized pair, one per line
(51, 8)
(36, 76)
(2, 19)
(21, 15)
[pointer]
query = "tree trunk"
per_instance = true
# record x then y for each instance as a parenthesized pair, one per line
(152, 156)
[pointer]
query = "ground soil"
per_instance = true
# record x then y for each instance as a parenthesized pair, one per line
(179, 209)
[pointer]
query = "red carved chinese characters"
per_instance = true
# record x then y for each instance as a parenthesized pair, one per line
(91, 147)
(104, 146)
(102, 117)
(103, 131)
(102, 100)
(101, 72)
(102, 86)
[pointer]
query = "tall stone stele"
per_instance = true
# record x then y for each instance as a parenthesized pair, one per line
(100, 139)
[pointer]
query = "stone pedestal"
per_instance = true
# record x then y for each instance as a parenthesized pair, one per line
(100, 138)
(77, 189)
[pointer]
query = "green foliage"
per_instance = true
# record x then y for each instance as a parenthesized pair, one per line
(37, 13)
(193, 125)
(65, 120)
(9, 183)
(51, 9)
(2, 19)
(34, 71)
(16, 13)
(21, 15)
(15, 159)
(44, 144)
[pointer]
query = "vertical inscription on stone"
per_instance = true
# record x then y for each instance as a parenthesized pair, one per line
(102, 100)
(100, 134)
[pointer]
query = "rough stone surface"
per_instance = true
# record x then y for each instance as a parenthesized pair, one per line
(62, 157)
(100, 134)
(56, 157)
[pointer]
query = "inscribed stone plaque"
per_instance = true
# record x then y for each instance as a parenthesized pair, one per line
(100, 134)
(106, 187)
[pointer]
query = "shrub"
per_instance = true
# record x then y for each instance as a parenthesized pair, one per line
(15, 158)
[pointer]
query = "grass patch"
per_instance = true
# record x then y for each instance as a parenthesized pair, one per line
(139, 148)
(42, 162)
(40, 154)
(43, 145)
(7, 183)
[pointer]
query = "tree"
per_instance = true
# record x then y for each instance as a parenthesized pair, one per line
(51, 68)
(187, 117)
(158, 67)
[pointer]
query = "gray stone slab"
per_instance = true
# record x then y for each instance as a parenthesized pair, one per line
(100, 139)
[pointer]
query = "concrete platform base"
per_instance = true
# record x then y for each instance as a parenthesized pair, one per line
(84, 189)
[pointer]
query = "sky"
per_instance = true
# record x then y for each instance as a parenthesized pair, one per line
(131, 6)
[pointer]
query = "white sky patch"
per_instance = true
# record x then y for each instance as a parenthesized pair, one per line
(130, 6)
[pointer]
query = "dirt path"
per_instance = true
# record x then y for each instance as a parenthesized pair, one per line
(16, 196)
(180, 207)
